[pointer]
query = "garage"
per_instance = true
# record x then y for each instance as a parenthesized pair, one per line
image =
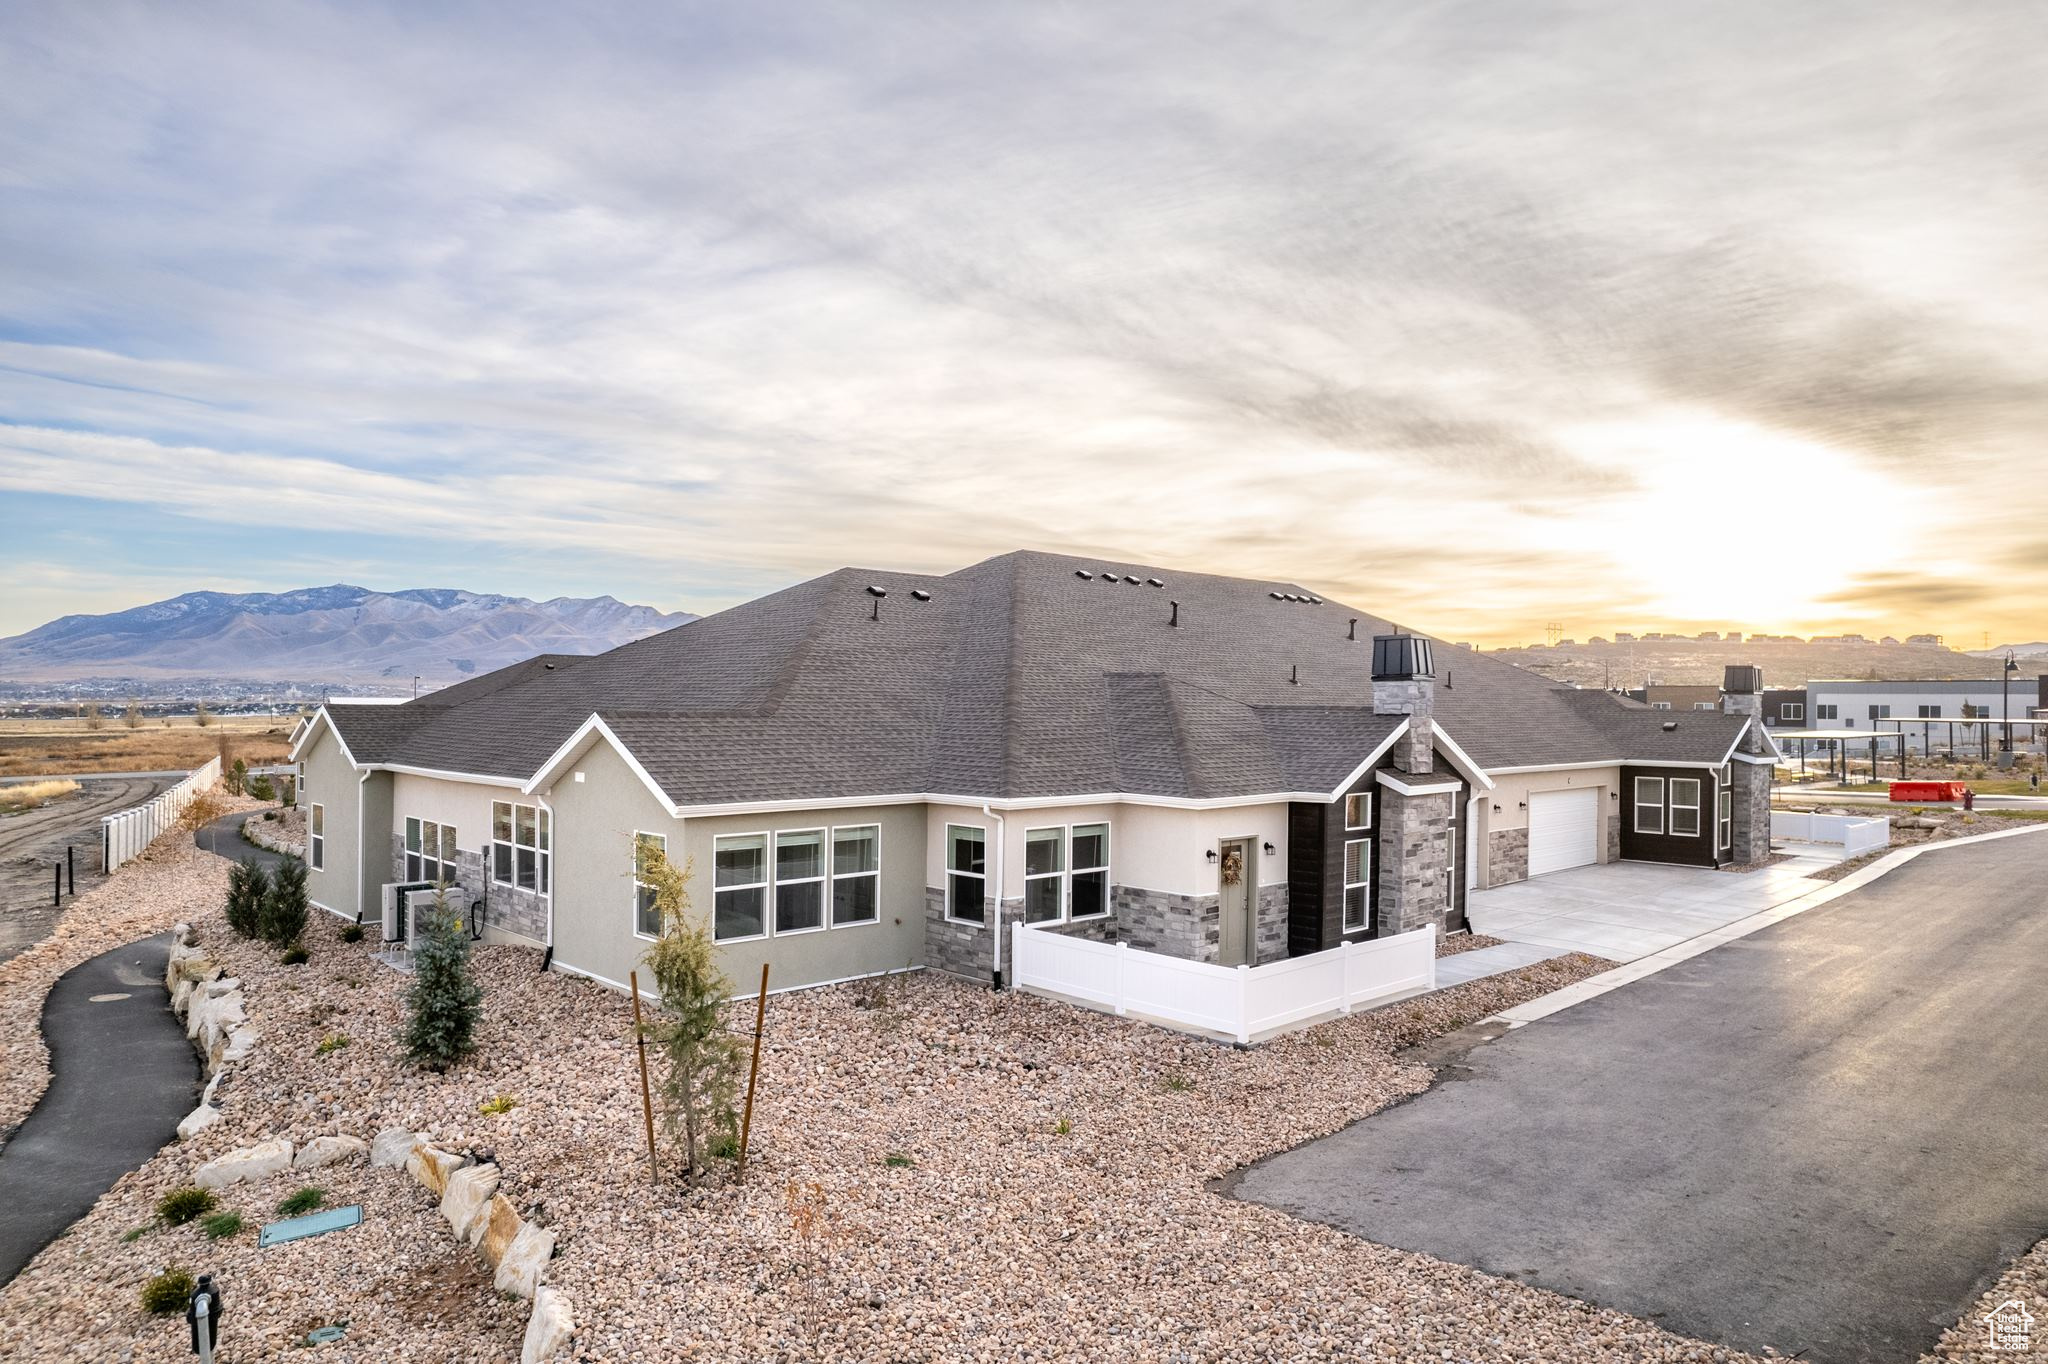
(1564, 829)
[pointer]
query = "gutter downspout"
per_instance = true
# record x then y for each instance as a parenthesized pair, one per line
(995, 965)
(362, 841)
(548, 955)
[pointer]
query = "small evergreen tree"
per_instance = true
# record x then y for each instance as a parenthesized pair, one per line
(443, 1005)
(238, 777)
(248, 887)
(701, 1061)
(283, 918)
(290, 797)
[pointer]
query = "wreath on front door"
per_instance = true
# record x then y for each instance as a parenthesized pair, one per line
(1233, 866)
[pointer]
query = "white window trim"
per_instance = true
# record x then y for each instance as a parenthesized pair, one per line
(1642, 805)
(767, 887)
(542, 857)
(316, 836)
(446, 872)
(1660, 705)
(1704, 705)
(1792, 710)
(1365, 867)
(1724, 817)
(1674, 805)
(1363, 824)
(946, 857)
(823, 881)
(834, 876)
(633, 904)
(1062, 875)
(1108, 880)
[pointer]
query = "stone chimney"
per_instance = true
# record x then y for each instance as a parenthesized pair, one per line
(1404, 683)
(1742, 690)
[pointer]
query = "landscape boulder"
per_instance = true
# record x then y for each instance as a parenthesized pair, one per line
(431, 1167)
(328, 1150)
(467, 1201)
(501, 1228)
(391, 1146)
(197, 1121)
(240, 1042)
(548, 1329)
(251, 1163)
(525, 1260)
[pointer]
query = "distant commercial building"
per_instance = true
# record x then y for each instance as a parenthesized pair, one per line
(1862, 704)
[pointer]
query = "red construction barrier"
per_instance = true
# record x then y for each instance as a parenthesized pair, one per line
(1925, 792)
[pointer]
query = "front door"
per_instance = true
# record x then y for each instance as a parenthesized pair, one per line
(1234, 885)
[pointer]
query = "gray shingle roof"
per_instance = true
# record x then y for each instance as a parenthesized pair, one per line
(1017, 678)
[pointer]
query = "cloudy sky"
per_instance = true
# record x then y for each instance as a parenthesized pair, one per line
(1728, 313)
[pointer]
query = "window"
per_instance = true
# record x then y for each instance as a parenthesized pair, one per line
(739, 886)
(1451, 866)
(1724, 807)
(1649, 805)
(1930, 712)
(646, 918)
(1088, 882)
(1880, 712)
(1827, 712)
(430, 852)
(1685, 807)
(1358, 810)
(1792, 710)
(1971, 712)
(799, 880)
(520, 855)
(1660, 705)
(1357, 884)
(316, 837)
(856, 875)
(1704, 705)
(966, 872)
(1045, 875)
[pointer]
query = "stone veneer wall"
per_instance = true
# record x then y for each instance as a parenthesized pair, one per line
(1414, 852)
(1614, 838)
(1752, 813)
(1186, 926)
(1507, 856)
(1270, 943)
(960, 948)
(522, 912)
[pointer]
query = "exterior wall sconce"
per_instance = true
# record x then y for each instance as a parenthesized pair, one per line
(1270, 849)
(1212, 855)
(1523, 805)
(1496, 809)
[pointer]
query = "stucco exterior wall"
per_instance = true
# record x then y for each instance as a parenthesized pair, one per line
(1151, 847)
(330, 782)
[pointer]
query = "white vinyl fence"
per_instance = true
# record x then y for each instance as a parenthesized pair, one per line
(1856, 833)
(1236, 1001)
(123, 836)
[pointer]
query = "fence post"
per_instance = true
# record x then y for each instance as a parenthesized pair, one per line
(1121, 960)
(1344, 950)
(1244, 1005)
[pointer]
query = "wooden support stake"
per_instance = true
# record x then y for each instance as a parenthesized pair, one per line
(754, 1074)
(646, 1096)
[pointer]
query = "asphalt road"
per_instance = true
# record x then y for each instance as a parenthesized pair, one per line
(1827, 1137)
(122, 1075)
(31, 842)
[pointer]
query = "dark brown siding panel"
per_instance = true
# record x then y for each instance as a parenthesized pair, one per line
(1697, 850)
(1305, 849)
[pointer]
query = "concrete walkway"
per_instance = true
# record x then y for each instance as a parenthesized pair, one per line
(1627, 910)
(121, 1076)
(224, 837)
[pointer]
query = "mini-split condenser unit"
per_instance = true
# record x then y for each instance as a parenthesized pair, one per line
(398, 915)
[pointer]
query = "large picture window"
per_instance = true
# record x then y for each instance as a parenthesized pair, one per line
(646, 916)
(430, 852)
(966, 873)
(1045, 875)
(856, 875)
(520, 852)
(1649, 805)
(739, 886)
(1685, 807)
(1357, 884)
(799, 880)
(316, 837)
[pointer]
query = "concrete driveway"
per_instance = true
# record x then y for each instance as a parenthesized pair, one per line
(1627, 910)
(1827, 1136)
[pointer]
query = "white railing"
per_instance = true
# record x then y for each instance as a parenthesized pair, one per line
(123, 836)
(1239, 1002)
(1856, 833)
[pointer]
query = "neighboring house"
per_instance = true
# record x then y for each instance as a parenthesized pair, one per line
(1678, 696)
(1863, 704)
(874, 770)
(1785, 707)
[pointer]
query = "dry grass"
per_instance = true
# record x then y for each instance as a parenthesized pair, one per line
(148, 749)
(29, 795)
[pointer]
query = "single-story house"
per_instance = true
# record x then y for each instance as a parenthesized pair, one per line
(873, 770)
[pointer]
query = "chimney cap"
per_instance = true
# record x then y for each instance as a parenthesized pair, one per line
(1401, 658)
(1742, 679)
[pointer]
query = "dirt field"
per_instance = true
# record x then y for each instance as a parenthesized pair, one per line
(31, 842)
(36, 747)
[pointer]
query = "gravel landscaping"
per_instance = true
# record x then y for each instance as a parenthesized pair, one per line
(1968, 1341)
(1464, 942)
(983, 1176)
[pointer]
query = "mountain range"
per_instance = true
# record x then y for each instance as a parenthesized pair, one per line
(331, 634)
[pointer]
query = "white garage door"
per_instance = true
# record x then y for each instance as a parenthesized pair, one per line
(1564, 830)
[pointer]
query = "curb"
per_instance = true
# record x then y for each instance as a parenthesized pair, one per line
(1594, 986)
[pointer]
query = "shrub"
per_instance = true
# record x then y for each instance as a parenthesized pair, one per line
(262, 789)
(331, 1043)
(294, 955)
(134, 1234)
(305, 1200)
(236, 778)
(352, 933)
(180, 1206)
(222, 1225)
(503, 1103)
(248, 887)
(443, 1003)
(170, 1291)
(284, 908)
(290, 797)
(896, 1160)
(270, 816)
(701, 1060)
(1178, 1084)
(1062, 1127)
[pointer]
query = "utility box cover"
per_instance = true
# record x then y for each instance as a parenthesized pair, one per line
(312, 1224)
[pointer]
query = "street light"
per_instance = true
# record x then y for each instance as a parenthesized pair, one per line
(2011, 666)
